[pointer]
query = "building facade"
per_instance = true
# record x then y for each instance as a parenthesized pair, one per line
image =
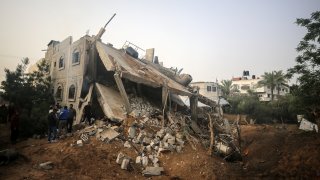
(245, 84)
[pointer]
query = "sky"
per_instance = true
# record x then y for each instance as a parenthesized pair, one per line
(211, 40)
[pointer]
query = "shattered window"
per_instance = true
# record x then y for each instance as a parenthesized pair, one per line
(61, 62)
(75, 57)
(208, 88)
(59, 93)
(72, 92)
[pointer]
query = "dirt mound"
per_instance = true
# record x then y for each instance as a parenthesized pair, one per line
(268, 151)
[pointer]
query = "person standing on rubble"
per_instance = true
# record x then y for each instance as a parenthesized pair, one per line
(52, 125)
(63, 120)
(87, 113)
(71, 118)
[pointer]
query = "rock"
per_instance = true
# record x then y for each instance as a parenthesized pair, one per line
(127, 144)
(138, 160)
(125, 163)
(167, 136)
(132, 132)
(180, 142)
(108, 134)
(120, 158)
(155, 160)
(116, 128)
(47, 165)
(171, 141)
(179, 136)
(146, 141)
(148, 148)
(141, 136)
(152, 171)
(145, 161)
(160, 133)
(79, 143)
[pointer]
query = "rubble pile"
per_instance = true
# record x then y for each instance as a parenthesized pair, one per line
(150, 132)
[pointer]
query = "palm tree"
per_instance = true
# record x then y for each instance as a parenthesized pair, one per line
(273, 80)
(227, 88)
(280, 80)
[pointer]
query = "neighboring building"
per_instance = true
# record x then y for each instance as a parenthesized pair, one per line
(208, 89)
(245, 83)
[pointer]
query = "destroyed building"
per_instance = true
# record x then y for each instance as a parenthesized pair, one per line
(90, 70)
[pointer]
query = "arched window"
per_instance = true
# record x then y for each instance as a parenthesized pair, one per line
(61, 62)
(72, 92)
(75, 57)
(59, 93)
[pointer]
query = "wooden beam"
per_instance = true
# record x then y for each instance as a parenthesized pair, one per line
(122, 92)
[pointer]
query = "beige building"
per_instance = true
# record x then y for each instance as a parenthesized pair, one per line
(245, 83)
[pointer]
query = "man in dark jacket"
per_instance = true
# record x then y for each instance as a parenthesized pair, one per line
(87, 113)
(52, 122)
(71, 117)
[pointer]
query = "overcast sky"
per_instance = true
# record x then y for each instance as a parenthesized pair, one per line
(208, 39)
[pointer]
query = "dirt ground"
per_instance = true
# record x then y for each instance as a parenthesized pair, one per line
(269, 151)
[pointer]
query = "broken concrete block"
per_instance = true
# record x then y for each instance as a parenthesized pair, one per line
(140, 137)
(125, 163)
(171, 141)
(47, 165)
(116, 128)
(160, 133)
(146, 141)
(120, 157)
(308, 126)
(152, 171)
(132, 132)
(179, 136)
(167, 136)
(145, 161)
(108, 134)
(127, 144)
(138, 160)
(180, 142)
(79, 143)
(148, 148)
(84, 137)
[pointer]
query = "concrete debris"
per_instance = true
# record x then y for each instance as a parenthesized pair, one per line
(308, 126)
(46, 166)
(138, 160)
(145, 161)
(152, 171)
(125, 163)
(79, 143)
(108, 135)
(120, 157)
(222, 148)
(127, 144)
(132, 132)
(84, 137)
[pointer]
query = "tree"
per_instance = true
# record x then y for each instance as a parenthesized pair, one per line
(269, 80)
(227, 88)
(308, 65)
(274, 80)
(30, 93)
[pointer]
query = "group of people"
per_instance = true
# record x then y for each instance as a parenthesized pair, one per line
(60, 121)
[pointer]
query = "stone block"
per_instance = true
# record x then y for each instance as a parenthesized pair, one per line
(152, 171)
(120, 158)
(125, 163)
(145, 161)
(132, 132)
